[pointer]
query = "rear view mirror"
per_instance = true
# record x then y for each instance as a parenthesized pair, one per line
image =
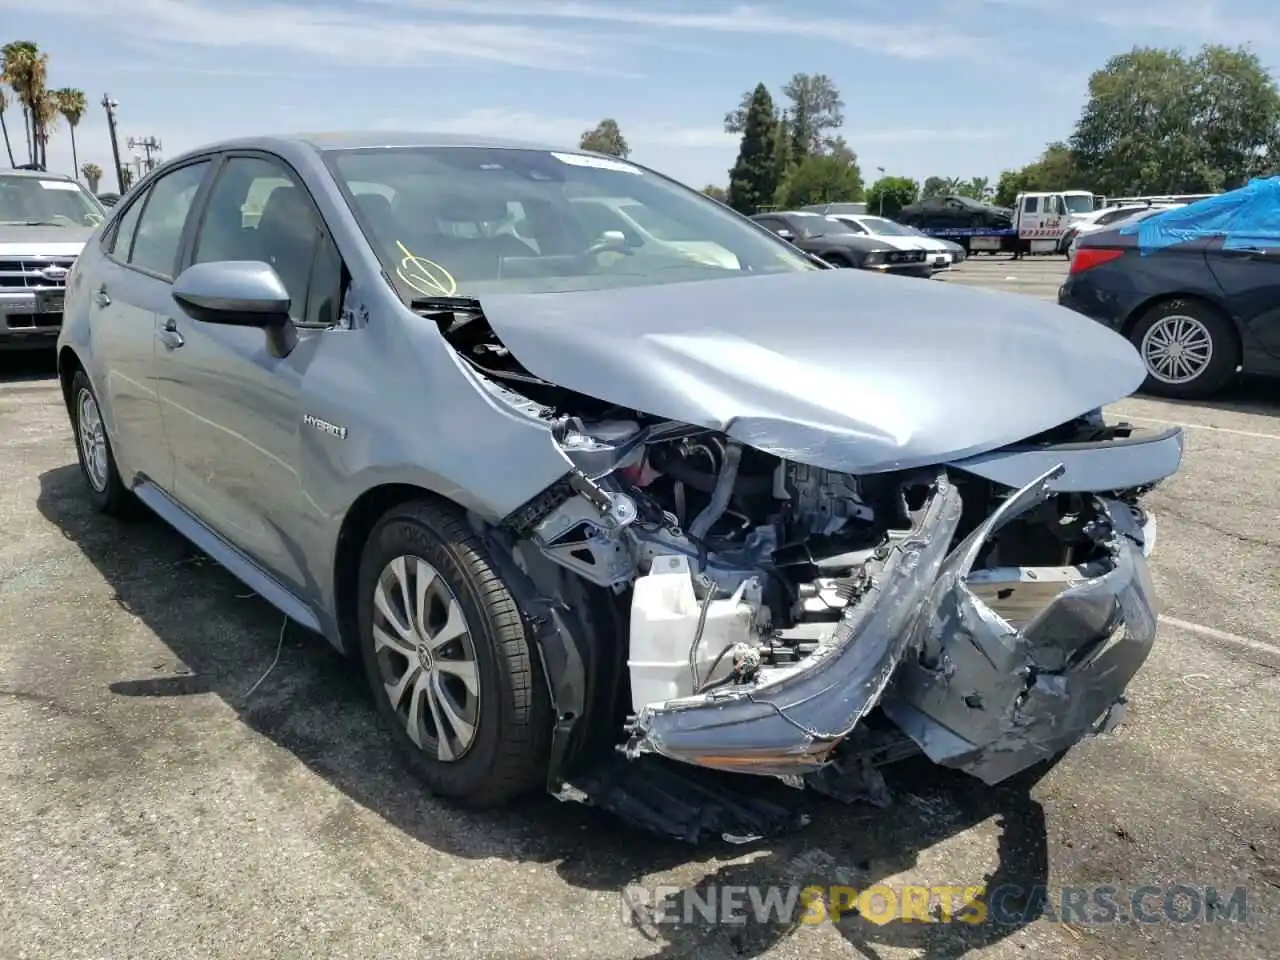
(242, 293)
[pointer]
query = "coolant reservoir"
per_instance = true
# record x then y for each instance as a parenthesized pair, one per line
(664, 621)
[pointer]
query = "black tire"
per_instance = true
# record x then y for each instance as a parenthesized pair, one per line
(110, 497)
(509, 753)
(1225, 350)
(837, 260)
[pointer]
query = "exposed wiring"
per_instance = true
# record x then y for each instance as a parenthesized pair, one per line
(697, 634)
(276, 659)
(709, 685)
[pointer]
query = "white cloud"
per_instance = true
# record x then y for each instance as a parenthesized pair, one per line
(341, 37)
(918, 40)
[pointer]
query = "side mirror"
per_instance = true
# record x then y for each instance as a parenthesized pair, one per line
(786, 235)
(238, 293)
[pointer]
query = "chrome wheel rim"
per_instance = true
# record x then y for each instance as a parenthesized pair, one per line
(93, 440)
(426, 658)
(1177, 349)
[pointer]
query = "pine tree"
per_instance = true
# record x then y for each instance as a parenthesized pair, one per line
(753, 179)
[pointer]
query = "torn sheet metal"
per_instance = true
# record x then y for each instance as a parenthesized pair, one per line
(1246, 219)
(789, 725)
(992, 698)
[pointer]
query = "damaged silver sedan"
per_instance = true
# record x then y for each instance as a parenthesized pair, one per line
(590, 473)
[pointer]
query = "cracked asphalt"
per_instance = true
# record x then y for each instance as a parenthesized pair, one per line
(152, 810)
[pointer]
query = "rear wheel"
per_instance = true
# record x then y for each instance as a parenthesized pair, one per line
(93, 449)
(453, 671)
(1189, 347)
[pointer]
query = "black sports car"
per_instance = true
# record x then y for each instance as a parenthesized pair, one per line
(940, 213)
(837, 244)
(1196, 289)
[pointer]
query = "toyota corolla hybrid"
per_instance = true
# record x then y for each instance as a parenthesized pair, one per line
(577, 507)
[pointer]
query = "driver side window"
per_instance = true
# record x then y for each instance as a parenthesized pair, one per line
(258, 210)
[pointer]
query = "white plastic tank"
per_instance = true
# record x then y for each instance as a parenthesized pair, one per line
(664, 621)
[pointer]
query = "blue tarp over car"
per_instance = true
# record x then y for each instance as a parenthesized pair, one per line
(1246, 219)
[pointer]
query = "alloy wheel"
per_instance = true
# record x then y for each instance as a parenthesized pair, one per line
(93, 440)
(1177, 349)
(426, 657)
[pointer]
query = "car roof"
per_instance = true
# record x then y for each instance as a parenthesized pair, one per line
(371, 139)
(36, 175)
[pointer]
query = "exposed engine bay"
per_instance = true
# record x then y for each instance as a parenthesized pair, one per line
(769, 605)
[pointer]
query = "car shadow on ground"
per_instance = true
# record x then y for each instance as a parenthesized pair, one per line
(315, 704)
(1256, 395)
(17, 366)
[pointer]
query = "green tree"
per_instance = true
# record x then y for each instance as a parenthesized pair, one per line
(753, 178)
(93, 175)
(4, 127)
(605, 137)
(1157, 121)
(72, 105)
(817, 111)
(24, 68)
(821, 178)
(1054, 170)
(888, 195)
(716, 193)
(935, 187)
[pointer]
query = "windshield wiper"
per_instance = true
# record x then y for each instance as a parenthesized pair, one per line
(31, 223)
(446, 304)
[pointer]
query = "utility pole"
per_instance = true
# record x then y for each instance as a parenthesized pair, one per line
(110, 105)
(881, 169)
(148, 146)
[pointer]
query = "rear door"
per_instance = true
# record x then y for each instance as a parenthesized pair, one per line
(1251, 281)
(130, 291)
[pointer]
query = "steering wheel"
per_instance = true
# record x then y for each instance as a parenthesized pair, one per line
(609, 245)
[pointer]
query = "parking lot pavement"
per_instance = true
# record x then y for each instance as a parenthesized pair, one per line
(1038, 276)
(152, 808)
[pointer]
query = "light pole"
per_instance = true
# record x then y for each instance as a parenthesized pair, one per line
(110, 105)
(880, 170)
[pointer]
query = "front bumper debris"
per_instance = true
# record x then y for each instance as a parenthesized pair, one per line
(790, 723)
(988, 671)
(992, 695)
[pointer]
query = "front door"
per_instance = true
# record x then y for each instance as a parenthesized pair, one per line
(233, 407)
(131, 292)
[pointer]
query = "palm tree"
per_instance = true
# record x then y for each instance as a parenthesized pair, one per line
(46, 122)
(25, 69)
(4, 128)
(93, 174)
(72, 105)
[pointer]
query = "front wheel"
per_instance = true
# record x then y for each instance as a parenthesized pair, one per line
(453, 670)
(1190, 349)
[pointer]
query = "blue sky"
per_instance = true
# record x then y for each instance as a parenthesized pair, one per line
(947, 87)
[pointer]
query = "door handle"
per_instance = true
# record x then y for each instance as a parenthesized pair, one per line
(101, 298)
(170, 336)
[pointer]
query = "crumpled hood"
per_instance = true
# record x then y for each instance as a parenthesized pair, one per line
(16, 240)
(842, 369)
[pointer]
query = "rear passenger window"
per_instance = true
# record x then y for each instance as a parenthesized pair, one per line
(122, 242)
(159, 232)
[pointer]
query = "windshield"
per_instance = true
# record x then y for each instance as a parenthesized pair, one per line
(1078, 202)
(54, 203)
(462, 221)
(883, 227)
